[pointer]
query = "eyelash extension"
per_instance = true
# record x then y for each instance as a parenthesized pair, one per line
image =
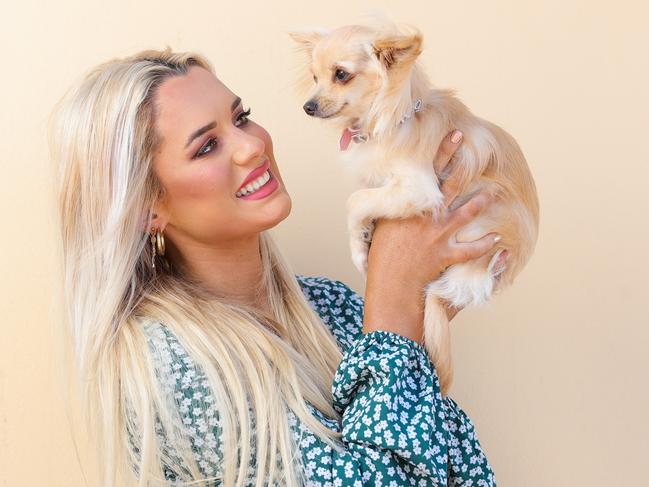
(244, 115)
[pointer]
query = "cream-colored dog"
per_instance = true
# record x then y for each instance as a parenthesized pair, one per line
(392, 122)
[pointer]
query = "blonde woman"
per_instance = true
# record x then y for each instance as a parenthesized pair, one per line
(203, 360)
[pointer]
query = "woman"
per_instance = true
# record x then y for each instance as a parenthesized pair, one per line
(200, 354)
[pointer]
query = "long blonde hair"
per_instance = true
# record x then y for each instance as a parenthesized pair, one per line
(102, 141)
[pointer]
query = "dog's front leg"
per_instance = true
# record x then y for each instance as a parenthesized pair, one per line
(363, 208)
(360, 236)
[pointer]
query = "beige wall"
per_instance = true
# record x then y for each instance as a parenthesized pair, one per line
(553, 372)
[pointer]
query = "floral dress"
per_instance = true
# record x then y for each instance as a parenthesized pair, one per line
(396, 427)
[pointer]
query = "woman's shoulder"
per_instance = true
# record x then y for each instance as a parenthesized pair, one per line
(325, 290)
(338, 305)
(167, 352)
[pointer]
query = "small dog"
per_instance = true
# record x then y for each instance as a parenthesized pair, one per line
(392, 122)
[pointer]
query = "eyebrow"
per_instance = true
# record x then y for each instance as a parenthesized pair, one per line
(209, 126)
(348, 65)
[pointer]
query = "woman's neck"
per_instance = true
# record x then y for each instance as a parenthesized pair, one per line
(231, 269)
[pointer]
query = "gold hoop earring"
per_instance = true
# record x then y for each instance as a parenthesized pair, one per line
(160, 243)
(158, 248)
(152, 239)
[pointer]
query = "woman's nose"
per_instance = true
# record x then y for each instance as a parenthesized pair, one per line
(246, 147)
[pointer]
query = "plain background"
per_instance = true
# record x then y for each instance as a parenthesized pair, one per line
(553, 372)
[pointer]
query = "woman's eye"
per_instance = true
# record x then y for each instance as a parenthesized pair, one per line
(341, 75)
(207, 148)
(242, 118)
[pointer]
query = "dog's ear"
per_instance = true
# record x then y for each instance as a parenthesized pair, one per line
(398, 50)
(306, 39)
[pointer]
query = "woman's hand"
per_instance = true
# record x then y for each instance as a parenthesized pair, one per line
(406, 254)
(444, 155)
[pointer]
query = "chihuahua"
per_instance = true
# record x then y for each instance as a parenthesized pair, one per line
(367, 82)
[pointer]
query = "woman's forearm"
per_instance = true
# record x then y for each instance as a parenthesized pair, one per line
(394, 306)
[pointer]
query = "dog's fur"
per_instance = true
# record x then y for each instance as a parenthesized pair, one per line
(394, 169)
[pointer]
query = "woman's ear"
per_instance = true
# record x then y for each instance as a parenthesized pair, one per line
(158, 222)
(159, 218)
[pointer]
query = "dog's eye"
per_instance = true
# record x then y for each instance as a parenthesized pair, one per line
(315, 78)
(341, 75)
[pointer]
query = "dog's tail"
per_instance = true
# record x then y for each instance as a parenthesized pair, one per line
(460, 285)
(437, 338)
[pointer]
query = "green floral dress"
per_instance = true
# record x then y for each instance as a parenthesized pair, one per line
(397, 428)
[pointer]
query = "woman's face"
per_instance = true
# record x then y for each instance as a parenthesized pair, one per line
(208, 149)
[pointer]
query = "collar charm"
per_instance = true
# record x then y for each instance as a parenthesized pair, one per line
(417, 107)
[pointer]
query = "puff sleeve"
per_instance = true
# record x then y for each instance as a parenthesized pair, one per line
(396, 426)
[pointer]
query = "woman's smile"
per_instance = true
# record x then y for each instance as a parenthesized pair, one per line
(258, 184)
(259, 188)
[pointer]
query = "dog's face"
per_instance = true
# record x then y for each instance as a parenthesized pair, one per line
(350, 66)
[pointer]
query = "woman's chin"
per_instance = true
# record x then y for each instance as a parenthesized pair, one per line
(277, 210)
(285, 210)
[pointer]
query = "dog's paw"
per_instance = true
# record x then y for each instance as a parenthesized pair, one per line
(499, 269)
(360, 262)
(366, 235)
(359, 250)
(501, 264)
(366, 231)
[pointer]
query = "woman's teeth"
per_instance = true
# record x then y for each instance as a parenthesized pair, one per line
(253, 186)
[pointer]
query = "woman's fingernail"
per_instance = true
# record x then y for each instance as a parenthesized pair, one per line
(456, 137)
(497, 238)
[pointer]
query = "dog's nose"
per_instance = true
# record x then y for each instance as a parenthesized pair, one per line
(310, 107)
